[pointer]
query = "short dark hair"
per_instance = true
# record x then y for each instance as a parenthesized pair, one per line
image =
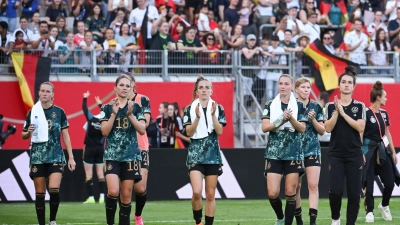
(288, 30)
(324, 96)
(4, 25)
(43, 22)
(359, 20)
(23, 17)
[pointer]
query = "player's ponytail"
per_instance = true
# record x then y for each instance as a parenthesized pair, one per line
(349, 71)
(377, 91)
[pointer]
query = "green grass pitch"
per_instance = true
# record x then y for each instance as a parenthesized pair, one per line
(232, 212)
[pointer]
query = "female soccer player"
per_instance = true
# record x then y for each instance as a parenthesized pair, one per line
(311, 149)
(47, 157)
(204, 120)
(122, 119)
(345, 119)
(377, 141)
(93, 151)
(283, 118)
(143, 142)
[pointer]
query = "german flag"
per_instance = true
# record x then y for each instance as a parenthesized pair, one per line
(326, 5)
(31, 71)
(329, 65)
(142, 39)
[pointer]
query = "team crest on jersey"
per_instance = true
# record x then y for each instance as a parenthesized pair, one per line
(185, 119)
(54, 115)
(265, 112)
(372, 119)
(34, 169)
(354, 109)
(191, 165)
(109, 166)
(102, 114)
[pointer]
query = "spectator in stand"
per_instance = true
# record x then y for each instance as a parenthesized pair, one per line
(127, 42)
(8, 12)
(302, 59)
(53, 53)
(323, 99)
(378, 49)
(244, 13)
(81, 33)
(261, 76)
(87, 45)
(34, 24)
(279, 13)
(112, 57)
(28, 34)
(180, 30)
(376, 25)
(162, 122)
(222, 5)
(354, 10)
(55, 10)
(180, 6)
(263, 14)
(312, 29)
(120, 19)
(396, 43)
(191, 44)
(292, 3)
(249, 57)
(161, 39)
(288, 45)
(356, 43)
(20, 44)
(212, 56)
(29, 7)
(211, 18)
(167, 3)
(391, 9)
(66, 4)
(110, 36)
(309, 7)
(136, 19)
(67, 55)
(7, 41)
(372, 5)
(203, 23)
(294, 24)
(114, 5)
(96, 23)
(327, 40)
(276, 59)
(62, 29)
(334, 16)
(394, 26)
(231, 13)
(81, 10)
(237, 40)
(42, 41)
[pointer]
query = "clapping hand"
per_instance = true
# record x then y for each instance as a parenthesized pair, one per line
(198, 111)
(311, 114)
(130, 108)
(115, 107)
(287, 114)
(213, 108)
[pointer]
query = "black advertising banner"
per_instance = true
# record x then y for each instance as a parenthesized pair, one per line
(242, 178)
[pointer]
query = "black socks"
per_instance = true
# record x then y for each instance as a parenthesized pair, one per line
(197, 215)
(89, 186)
(297, 215)
(277, 206)
(313, 216)
(111, 208)
(125, 213)
(140, 202)
(290, 209)
(54, 202)
(40, 208)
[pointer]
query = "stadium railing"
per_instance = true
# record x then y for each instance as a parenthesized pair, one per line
(186, 63)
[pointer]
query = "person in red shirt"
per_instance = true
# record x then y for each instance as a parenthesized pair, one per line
(211, 56)
(180, 29)
(167, 3)
(211, 20)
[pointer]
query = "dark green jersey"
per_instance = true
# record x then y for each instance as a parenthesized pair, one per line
(144, 102)
(310, 142)
(205, 150)
(284, 144)
(121, 142)
(50, 151)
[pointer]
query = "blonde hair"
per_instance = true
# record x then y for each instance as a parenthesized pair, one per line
(196, 86)
(48, 83)
(288, 76)
(301, 81)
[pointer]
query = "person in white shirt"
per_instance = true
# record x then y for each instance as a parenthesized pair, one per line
(377, 24)
(293, 23)
(327, 40)
(7, 41)
(264, 13)
(356, 42)
(312, 29)
(277, 59)
(136, 19)
(43, 40)
(203, 23)
(28, 34)
(378, 56)
(86, 45)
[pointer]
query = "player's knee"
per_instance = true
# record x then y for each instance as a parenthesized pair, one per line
(210, 196)
(140, 188)
(313, 187)
(196, 195)
(290, 191)
(125, 198)
(273, 194)
(113, 191)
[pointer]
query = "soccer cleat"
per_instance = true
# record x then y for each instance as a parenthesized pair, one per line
(52, 223)
(369, 218)
(387, 216)
(90, 200)
(280, 222)
(336, 222)
(138, 220)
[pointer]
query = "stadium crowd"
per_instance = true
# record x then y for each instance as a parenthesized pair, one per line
(115, 30)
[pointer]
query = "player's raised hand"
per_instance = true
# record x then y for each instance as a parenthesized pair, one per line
(86, 94)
